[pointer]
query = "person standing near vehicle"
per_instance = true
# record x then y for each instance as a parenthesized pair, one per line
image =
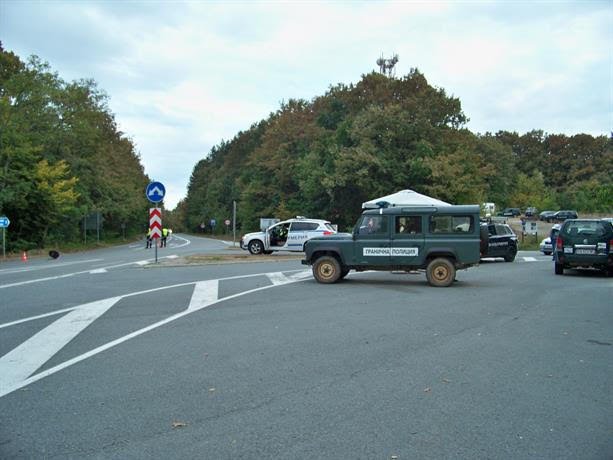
(164, 237)
(148, 239)
(553, 236)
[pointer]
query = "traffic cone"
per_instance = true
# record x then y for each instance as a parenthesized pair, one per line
(24, 257)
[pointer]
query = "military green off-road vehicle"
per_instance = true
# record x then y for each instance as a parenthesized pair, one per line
(439, 239)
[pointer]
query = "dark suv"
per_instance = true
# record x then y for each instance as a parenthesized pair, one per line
(439, 239)
(511, 212)
(561, 216)
(498, 240)
(586, 243)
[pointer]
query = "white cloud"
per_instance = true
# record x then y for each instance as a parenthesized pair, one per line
(182, 76)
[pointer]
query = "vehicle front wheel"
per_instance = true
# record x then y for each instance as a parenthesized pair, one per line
(440, 272)
(558, 268)
(510, 257)
(327, 270)
(256, 247)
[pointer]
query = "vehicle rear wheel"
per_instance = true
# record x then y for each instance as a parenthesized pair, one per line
(440, 272)
(256, 247)
(559, 269)
(327, 270)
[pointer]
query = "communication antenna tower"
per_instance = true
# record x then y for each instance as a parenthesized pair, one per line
(386, 66)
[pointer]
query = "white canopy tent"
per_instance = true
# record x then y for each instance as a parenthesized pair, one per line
(405, 198)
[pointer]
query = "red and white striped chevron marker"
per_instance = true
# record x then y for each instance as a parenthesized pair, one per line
(155, 222)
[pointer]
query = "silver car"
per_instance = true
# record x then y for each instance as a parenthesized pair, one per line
(546, 245)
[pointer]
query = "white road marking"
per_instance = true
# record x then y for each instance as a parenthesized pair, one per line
(50, 278)
(98, 270)
(28, 357)
(174, 256)
(18, 364)
(32, 318)
(185, 241)
(205, 293)
(301, 275)
(278, 278)
(45, 267)
(530, 259)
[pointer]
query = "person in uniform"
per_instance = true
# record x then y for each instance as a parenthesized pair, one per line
(164, 237)
(148, 239)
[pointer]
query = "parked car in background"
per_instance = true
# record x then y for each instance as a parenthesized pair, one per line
(498, 240)
(584, 243)
(561, 216)
(545, 215)
(547, 244)
(510, 212)
(531, 211)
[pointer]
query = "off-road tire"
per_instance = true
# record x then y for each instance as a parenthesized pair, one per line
(327, 270)
(256, 247)
(440, 272)
(511, 256)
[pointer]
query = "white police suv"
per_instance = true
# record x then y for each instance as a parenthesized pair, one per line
(288, 235)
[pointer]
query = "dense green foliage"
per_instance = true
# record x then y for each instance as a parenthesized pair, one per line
(325, 157)
(61, 158)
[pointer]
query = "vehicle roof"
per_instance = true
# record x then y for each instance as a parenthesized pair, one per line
(452, 209)
(304, 219)
(495, 223)
(584, 220)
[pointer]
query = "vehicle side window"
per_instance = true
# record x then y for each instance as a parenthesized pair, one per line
(451, 224)
(408, 224)
(373, 225)
(502, 230)
(303, 226)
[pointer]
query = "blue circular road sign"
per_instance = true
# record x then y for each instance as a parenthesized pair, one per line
(155, 192)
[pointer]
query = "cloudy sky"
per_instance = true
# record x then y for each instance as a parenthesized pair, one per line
(183, 75)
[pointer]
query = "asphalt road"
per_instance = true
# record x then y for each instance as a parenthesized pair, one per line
(116, 359)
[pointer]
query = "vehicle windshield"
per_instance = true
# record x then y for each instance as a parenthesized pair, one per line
(585, 228)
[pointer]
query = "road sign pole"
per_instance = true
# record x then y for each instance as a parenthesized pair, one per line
(156, 242)
(3, 243)
(233, 223)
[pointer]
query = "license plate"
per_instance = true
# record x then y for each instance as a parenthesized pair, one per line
(584, 251)
(568, 250)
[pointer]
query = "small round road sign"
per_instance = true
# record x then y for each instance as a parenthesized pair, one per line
(155, 192)
(227, 222)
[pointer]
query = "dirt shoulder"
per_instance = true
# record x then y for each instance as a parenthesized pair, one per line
(210, 259)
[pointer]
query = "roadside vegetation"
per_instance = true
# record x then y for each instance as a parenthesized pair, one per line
(64, 165)
(323, 158)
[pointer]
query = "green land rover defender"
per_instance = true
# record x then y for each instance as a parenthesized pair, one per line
(439, 239)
